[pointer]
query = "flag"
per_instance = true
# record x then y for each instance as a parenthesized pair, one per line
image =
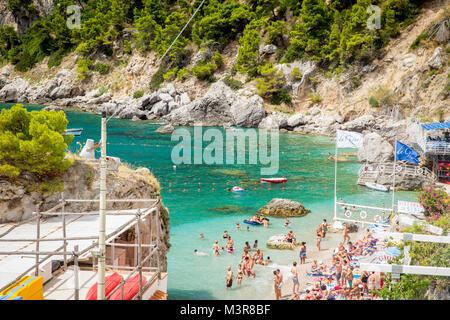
(405, 153)
(348, 139)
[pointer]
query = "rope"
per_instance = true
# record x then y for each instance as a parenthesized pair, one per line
(159, 61)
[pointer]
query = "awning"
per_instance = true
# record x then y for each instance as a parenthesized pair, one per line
(436, 125)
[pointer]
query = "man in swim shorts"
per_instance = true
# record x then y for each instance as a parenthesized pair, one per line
(216, 248)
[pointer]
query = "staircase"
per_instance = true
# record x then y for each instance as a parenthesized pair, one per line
(367, 176)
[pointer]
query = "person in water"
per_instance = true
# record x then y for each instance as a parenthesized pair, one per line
(200, 253)
(201, 236)
(266, 223)
(229, 278)
(255, 245)
(215, 248)
(240, 275)
(247, 229)
(287, 222)
(238, 225)
(230, 245)
(225, 235)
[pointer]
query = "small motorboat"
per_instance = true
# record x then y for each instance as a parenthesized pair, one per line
(256, 223)
(237, 189)
(376, 186)
(274, 180)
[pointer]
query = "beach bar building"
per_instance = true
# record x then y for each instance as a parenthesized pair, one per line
(434, 147)
(55, 251)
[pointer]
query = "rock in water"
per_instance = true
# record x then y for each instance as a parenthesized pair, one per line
(279, 242)
(283, 208)
(168, 128)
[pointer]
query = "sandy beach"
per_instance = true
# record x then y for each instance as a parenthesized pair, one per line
(331, 241)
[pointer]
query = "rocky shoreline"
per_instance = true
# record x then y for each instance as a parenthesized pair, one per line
(219, 106)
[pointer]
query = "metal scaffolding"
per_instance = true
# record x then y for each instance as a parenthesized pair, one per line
(145, 251)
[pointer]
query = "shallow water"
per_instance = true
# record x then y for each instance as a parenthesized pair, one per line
(196, 208)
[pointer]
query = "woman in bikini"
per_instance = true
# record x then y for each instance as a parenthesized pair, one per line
(240, 275)
(319, 237)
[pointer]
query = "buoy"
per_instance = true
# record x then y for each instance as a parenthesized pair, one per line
(184, 190)
(213, 189)
(198, 190)
(363, 214)
(170, 190)
(348, 213)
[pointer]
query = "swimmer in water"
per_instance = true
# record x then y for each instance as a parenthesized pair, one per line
(287, 222)
(238, 225)
(200, 253)
(201, 236)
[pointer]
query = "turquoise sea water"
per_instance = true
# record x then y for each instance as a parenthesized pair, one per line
(196, 208)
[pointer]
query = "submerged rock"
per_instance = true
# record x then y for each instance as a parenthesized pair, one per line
(168, 128)
(283, 208)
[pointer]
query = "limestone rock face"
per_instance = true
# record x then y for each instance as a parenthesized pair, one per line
(359, 124)
(296, 120)
(435, 61)
(218, 106)
(15, 91)
(278, 242)
(274, 122)
(283, 208)
(375, 149)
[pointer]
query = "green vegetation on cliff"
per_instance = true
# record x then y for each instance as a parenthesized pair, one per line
(31, 142)
(332, 33)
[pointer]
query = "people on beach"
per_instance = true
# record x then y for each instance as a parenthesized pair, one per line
(324, 227)
(229, 278)
(275, 285)
(319, 237)
(303, 253)
(294, 276)
(345, 234)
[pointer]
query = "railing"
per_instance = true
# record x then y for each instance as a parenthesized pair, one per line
(437, 147)
(62, 250)
(375, 169)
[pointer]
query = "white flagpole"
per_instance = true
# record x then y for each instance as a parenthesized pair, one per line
(335, 176)
(395, 172)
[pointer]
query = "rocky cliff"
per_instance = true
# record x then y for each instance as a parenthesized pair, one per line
(408, 84)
